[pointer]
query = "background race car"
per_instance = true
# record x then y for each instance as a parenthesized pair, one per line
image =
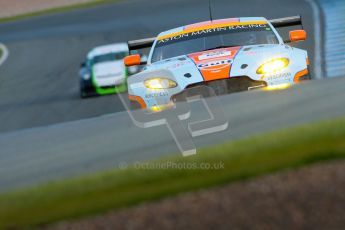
(228, 55)
(104, 71)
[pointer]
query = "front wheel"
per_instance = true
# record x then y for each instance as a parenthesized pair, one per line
(86, 90)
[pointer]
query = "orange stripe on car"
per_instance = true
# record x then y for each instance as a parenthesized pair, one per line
(211, 75)
(215, 64)
(138, 99)
(300, 74)
(308, 62)
(212, 26)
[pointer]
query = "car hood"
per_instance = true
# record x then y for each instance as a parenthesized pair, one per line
(108, 73)
(223, 63)
(114, 68)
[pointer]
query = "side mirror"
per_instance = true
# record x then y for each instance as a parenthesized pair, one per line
(297, 35)
(132, 60)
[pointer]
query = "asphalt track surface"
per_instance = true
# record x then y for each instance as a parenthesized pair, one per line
(111, 141)
(48, 132)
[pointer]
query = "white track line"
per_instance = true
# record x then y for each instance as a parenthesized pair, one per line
(317, 38)
(5, 53)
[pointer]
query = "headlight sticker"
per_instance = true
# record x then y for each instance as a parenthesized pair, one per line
(277, 76)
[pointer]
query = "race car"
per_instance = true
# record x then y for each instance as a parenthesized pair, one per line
(104, 71)
(228, 55)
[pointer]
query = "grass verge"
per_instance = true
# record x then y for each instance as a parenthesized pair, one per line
(57, 10)
(116, 189)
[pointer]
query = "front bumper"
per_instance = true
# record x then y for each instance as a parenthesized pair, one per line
(225, 86)
(220, 87)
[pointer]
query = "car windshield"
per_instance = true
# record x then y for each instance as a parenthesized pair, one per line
(108, 57)
(207, 39)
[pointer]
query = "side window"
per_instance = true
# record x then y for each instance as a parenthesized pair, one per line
(157, 54)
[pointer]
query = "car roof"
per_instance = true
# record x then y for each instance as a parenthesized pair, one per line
(111, 48)
(218, 22)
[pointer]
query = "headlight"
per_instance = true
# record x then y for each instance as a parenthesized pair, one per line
(159, 108)
(86, 76)
(278, 87)
(160, 83)
(273, 66)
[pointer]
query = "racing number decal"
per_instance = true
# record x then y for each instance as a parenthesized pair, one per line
(215, 64)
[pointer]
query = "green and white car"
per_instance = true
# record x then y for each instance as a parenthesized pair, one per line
(104, 72)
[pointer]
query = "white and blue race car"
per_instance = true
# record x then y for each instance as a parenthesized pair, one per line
(229, 55)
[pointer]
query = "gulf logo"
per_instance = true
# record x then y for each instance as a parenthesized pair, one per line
(216, 65)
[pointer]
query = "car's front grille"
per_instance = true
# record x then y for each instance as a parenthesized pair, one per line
(108, 87)
(227, 86)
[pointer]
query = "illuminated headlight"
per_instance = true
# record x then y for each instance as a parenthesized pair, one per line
(278, 87)
(159, 108)
(86, 76)
(160, 83)
(273, 66)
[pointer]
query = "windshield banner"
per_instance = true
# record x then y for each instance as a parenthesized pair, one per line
(211, 32)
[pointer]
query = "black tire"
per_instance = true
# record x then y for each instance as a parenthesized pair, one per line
(86, 89)
(83, 92)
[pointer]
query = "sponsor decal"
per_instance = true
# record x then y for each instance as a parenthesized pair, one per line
(250, 53)
(277, 76)
(216, 54)
(178, 64)
(210, 32)
(154, 95)
(215, 64)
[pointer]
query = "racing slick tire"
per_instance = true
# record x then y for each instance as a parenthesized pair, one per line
(86, 89)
